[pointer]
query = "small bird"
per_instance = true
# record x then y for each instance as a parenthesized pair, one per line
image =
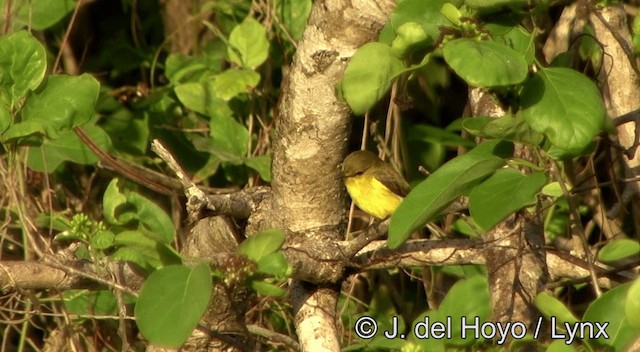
(375, 186)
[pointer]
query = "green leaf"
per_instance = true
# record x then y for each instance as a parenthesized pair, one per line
(262, 244)
(181, 68)
(508, 127)
(550, 306)
(632, 305)
(619, 249)
(154, 219)
(262, 164)
(68, 147)
(564, 105)
(502, 194)
(233, 82)
(518, 38)
(171, 302)
(197, 96)
(408, 35)
(369, 76)
(122, 206)
(136, 247)
(23, 64)
(294, 15)
(560, 346)
(495, 4)
(268, 289)
(5, 118)
(274, 264)
(467, 298)
(228, 134)
(609, 308)
(494, 64)
(102, 240)
(248, 44)
(59, 104)
(42, 14)
(85, 302)
(425, 13)
(454, 179)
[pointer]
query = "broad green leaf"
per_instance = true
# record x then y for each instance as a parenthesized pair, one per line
(171, 302)
(369, 76)
(262, 244)
(111, 200)
(564, 105)
(219, 153)
(68, 147)
(42, 14)
(125, 207)
(274, 264)
(197, 96)
(425, 13)
(619, 249)
(23, 64)
(419, 324)
(431, 134)
(550, 306)
(609, 308)
(502, 194)
(518, 38)
(136, 247)
(632, 305)
(468, 298)
(508, 127)
(248, 44)
(85, 302)
(451, 12)
(554, 189)
(454, 179)
(228, 134)
(408, 35)
(268, 289)
(560, 346)
(494, 4)
(181, 68)
(262, 164)
(102, 240)
(494, 64)
(59, 104)
(233, 82)
(154, 219)
(294, 15)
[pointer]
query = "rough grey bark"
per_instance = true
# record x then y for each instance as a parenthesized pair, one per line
(310, 142)
(620, 83)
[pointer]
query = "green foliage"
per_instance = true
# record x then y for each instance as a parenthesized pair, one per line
(619, 249)
(570, 118)
(445, 185)
(123, 207)
(496, 64)
(610, 308)
(504, 193)
(369, 75)
(171, 303)
(263, 248)
(213, 103)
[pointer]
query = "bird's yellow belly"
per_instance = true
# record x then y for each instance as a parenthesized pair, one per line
(371, 196)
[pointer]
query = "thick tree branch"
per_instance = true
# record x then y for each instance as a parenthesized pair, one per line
(309, 145)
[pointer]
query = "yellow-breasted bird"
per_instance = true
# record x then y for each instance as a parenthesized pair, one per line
(375, 186)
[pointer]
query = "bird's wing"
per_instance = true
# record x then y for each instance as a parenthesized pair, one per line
(393, 181)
